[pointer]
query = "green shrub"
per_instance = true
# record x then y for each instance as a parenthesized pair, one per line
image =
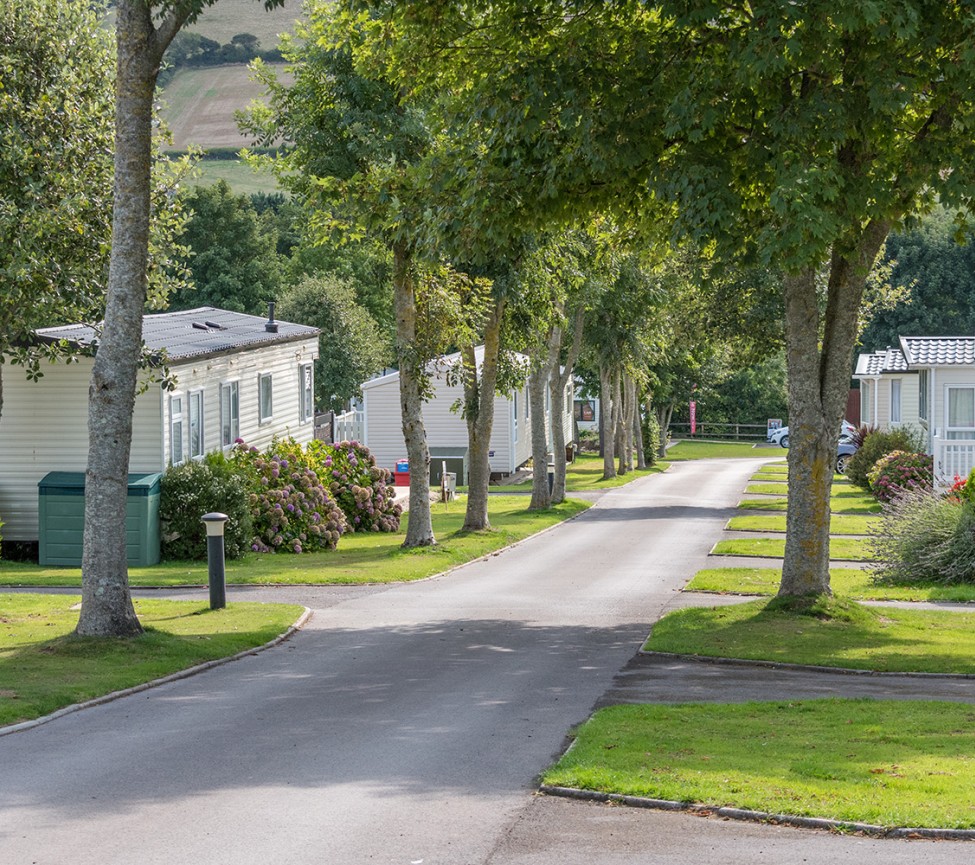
(291, 507)
(899, 471)
(362, 489)
(878, 443)
(925, 538)
(651, 437)
(588, 441)
(195, 488)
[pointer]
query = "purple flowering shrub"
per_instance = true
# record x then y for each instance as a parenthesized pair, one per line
(362, 489)
(899, 472)
(291, 507)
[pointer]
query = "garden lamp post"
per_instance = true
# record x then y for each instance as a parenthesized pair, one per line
(216, 574)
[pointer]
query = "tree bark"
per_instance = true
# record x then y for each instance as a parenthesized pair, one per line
(619, 423)
(541, 498)
(479, 393)
(559, 379)
(106, 603)
(419, 525)
(818, 388)
(641, 457)
(664, 414)
(607, 421)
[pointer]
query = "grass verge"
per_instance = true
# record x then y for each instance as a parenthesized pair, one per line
(847, 582)
(830, 632)
(44, 667)
(585, 472)
(889, 763)
(839, 524)
(359, 558)
(846, 505)
(701, 450)
(840, 549)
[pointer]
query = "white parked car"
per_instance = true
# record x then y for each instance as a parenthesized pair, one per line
(780, 436)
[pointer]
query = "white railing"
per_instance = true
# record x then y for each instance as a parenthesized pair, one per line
(952, 458)
(350, 426)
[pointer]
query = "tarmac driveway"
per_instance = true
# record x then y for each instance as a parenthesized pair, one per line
(406, 725)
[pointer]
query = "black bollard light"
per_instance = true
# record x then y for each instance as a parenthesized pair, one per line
(215, 567)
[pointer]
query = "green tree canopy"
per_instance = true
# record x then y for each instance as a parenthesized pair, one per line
(351, 346)
(233, 258)
(55, 166)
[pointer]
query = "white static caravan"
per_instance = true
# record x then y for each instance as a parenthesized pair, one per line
(237, 376)
(446, 430)
(946, 408)
(889, 390)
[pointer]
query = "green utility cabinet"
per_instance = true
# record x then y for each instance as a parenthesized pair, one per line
(61, 517)
(456, 460)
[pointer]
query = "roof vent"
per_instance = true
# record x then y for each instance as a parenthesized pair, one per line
(271, 326)
(199, 326)
(214, 326)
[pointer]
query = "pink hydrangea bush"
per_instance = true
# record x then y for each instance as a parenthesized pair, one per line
(292, 508)
(362, 489)
(899, 472)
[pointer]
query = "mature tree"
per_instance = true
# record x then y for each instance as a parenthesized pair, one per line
(55, 171)
(353, 145)
(938, 273)
(351, 346)
(233, 259)
(794, 133)
(144, 29)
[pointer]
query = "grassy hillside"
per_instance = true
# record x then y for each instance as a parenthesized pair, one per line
(227, 18)
(241, 178)
(199, 106)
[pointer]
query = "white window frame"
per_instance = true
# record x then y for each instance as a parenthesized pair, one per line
(866, 402)
(514, 412)
(229, 404)
(261, 378)
(176, 424)
(923, 394)
(306, 393)
(955, 432)
(195, 397)
(896, 400)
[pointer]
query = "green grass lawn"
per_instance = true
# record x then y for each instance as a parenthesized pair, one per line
(585, 472)
(241, 178)
(840, 549)
(700, 450)
(839, 524)
(853, 583)
(832, 633)
(890, 763)
(864, 504)
(44, 667)
(359, 558)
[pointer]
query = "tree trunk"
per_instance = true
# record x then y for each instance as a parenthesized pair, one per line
(106, 603)
(818, 388)
(559, 379)
(664, 414)
(541, 498)
(419, 525)
(619, 424)
(479, 398)
(641, 457)
(607, 430)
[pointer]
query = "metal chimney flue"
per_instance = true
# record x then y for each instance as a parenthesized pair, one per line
(271, 326)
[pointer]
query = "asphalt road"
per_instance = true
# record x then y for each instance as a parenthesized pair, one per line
(407, 725)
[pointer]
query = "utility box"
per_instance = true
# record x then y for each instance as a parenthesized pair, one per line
(456, 460)
(61, 513)
(401, 476)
